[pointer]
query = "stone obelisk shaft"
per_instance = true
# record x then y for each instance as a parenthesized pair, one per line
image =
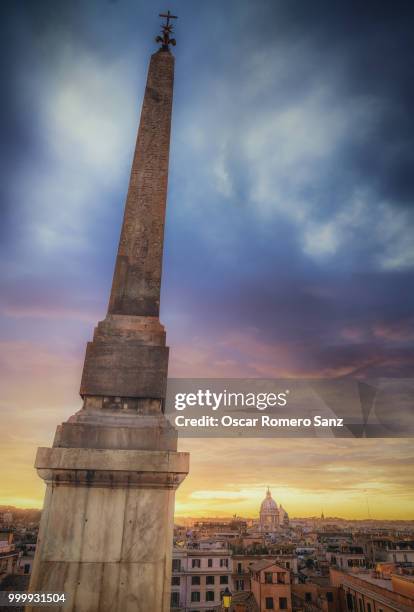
(137, 279)
(128, 357)
(105, 537)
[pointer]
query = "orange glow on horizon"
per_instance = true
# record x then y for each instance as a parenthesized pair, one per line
(349, 479)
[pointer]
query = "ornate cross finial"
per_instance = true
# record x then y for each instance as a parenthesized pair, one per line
(167, 29)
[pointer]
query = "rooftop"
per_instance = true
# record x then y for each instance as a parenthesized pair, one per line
(263, 564)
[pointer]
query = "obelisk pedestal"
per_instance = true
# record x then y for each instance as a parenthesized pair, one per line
(105, 537)
(106, 531)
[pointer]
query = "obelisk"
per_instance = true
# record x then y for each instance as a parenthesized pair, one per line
(105, 537)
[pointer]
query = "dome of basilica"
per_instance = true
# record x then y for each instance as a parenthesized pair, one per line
(268, 505)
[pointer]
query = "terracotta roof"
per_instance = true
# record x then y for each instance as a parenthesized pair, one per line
(247, 599)
(260, 565)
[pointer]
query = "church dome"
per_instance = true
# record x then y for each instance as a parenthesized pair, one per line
(268, 505)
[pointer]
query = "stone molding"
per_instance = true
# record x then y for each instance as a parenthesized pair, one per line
(111, 468)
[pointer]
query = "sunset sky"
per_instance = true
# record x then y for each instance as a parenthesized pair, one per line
(289, 245)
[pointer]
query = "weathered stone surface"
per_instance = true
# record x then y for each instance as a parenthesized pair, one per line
(137, 279)
(107, 547)
(144, 330)
(149, 433)
(125, 368)
(105, 536)
(92, 459)
(127, 358)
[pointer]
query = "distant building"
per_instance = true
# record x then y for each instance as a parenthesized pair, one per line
(8, 553)
(199, 577)
(244, 602)
(365, 591)
(270, 585)
(317, 594)
(7, 518)
(271, 517)
(242, 563)
(347, 557)
(396, 552)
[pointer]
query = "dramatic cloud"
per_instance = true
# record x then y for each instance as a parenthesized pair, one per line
(289, 240)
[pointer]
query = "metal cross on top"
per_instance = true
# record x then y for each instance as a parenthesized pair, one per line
(166, 31)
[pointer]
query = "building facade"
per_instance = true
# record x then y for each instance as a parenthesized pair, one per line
(270, 585)
(199, 577)
(365, 592)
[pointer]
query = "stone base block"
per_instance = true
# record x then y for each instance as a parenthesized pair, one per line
(124, 368)
(103, 432)
(127, 358)
(105, 536)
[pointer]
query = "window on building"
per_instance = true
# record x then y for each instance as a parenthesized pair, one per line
(308, 597)
(369, 607)
(329, 597)
(195, 580)
(280, 578)
(283, 603)
(176, 565)
(269, 603)
(176, 580)
(287, 565)
(239, 585)
(209, 562)
(349, 602)
(196, 563)
(224, 579)
(195, 596)
(239, 568)
(361, 606)
(209, 579)
(209, 595)
(268, 577)
(175, 600)
(224, 562)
